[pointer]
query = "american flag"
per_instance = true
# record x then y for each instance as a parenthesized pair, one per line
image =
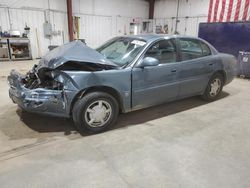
(228, 10)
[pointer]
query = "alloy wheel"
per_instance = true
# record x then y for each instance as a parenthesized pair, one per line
(98, 113)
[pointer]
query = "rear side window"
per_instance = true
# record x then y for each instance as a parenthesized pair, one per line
(190, 49)
(205, 49)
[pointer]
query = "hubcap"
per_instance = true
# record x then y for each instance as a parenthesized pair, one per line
(215, 87)
(98, 113)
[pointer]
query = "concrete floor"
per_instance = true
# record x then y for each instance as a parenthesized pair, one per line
(189, 143)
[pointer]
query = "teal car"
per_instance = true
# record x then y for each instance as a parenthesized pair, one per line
(92, 86)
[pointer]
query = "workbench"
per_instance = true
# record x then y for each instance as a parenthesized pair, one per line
(15, 48)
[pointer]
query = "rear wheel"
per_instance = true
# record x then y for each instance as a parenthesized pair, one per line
(95, 112)
(214, 87)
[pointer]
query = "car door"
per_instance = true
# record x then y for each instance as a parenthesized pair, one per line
(196, 66)
(156, 84)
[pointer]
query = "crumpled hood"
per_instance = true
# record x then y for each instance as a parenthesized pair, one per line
(72, 51)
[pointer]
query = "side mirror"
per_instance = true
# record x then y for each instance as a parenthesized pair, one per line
(148, 62)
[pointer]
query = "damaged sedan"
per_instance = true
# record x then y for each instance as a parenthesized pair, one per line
(125, 74)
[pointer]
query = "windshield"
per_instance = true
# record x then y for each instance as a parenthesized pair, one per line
(122, 50)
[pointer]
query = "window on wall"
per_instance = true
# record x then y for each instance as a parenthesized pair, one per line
(164, 51)
(192, 49)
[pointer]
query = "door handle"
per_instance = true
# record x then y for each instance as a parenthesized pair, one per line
(210, 64)
(174, 70)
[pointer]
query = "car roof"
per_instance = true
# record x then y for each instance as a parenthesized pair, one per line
(153, 37)
(148, 37)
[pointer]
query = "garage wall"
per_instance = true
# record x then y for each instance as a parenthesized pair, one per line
(5, 25)
(131, 8)
(18, 18)
(37, 4)
(99, 19)
(15, 14)
(95, 29)
(191, 13)
(107, 18)
(34, 19)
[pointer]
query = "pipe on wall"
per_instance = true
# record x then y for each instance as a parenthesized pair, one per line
(70, 19)
(177, 17)
(151, 9)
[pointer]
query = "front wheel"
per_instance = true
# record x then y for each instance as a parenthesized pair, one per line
(214, 88)
(95, 112)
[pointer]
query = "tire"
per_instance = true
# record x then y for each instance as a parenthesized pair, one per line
(95, 112)
(211, 94)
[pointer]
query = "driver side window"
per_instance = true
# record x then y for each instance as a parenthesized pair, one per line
(164, 51)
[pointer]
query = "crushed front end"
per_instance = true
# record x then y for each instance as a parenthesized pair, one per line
(44, 91)
(52, 85)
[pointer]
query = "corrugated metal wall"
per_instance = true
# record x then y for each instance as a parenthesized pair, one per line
(186, 26)
(189, 26)
(99, 20)
(59, 23)
(95, 29)
(17, 19)
(165, 21)
(4, 20)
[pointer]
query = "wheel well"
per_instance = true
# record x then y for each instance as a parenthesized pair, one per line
(105, 89)
(223, 73)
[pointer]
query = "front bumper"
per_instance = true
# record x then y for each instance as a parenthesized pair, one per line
(39, 100)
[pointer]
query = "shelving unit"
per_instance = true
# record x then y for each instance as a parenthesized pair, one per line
(15, 49)
(4, 49)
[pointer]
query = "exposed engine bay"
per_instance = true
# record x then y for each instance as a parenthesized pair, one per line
(42, 78)
(48, 78)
